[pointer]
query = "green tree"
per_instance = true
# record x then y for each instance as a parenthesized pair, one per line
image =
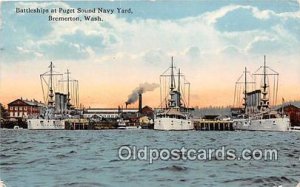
(3, 112)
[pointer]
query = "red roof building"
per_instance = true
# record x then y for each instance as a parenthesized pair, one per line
(293, 111)
(23, 108)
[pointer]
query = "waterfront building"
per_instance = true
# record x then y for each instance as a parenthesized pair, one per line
(292, 109)
(22, 109)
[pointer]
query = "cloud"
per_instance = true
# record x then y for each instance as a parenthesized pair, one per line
(193, 52)
(231, 50)
(154, 56)
(262, 45)
(213, 16)
(152, 40)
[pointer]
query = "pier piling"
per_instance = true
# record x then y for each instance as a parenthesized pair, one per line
(211, 125)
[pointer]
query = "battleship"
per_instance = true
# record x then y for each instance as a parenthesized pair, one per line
(57, 111)
(257, 114)
(175, 116)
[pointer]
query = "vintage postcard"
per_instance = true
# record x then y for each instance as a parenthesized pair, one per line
(150, 93)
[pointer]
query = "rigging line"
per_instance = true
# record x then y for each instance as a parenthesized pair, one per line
(241, 94)
(277, 87)
(240, 78)
(78, 92)
(185, 93)
(238, 95)
(189, 95)
(44, 73)
(273, 90)
(160, 89)
(47, 89)
(254, 82)
(234, 95)
(165, 91)
(183, 98)
(75, 94)
(59, 84)
(75, 88)
(162, 103)
(186, 82)
(166, 70)
(55, 86)
(273, 71)
(269, 89)
(41, 78)
(184, 88)
(258, 70)
(63, 86)
(72, 93)
(44, 79)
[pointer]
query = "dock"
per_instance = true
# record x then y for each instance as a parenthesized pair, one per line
(213, 125)
(295, 129)
(77, 124)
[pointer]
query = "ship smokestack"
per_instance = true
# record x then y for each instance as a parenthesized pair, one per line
(142, 88)
(126, 104)
(140, 103)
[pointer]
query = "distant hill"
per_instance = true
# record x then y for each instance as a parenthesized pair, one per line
(226, 111)
(295, 103)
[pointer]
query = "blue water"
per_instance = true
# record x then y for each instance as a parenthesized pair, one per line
(90, 158)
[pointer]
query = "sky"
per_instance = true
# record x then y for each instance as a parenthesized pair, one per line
(211, 42)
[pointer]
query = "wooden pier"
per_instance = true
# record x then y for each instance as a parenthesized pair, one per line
(77, 124)
(212, 125)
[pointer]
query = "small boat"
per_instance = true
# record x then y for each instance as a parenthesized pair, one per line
(133, 127)
(2, 184)
(122, 125)
(16, 127)
(295, 129)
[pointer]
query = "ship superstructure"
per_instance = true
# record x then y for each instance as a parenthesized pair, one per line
(175, 115)
(257, 115)
(58, 103)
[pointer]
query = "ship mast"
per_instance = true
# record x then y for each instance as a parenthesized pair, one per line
(178, 89)
(245, 92)
(50, 102)
(172, 76)
(265, 92)
(68, 89)
(168, 89)
(172, 100)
